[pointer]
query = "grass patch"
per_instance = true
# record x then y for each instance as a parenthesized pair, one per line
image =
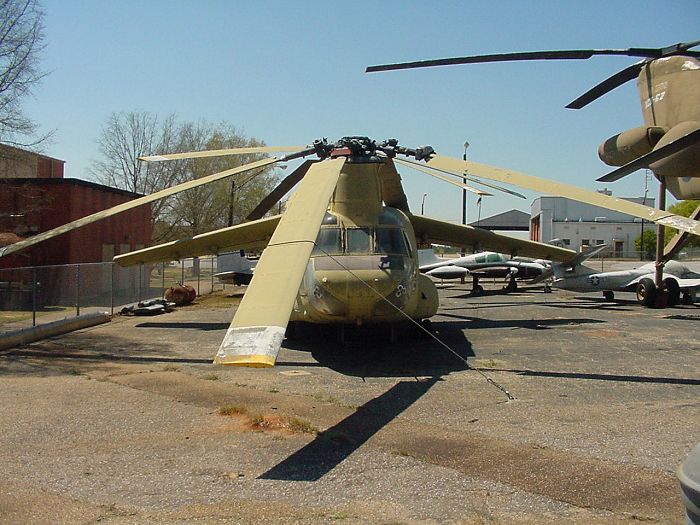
(211, 377)
(299, 425)
(488, 363)
(171, 368)
(218, 299)
(230, 410)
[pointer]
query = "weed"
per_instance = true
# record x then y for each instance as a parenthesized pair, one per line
(230, 410)
(171, 368)
(211, 377)
(299, 425)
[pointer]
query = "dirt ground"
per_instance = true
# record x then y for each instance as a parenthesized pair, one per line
(130, 423)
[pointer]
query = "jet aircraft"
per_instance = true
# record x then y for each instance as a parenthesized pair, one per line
(678, 279)
(482, 264)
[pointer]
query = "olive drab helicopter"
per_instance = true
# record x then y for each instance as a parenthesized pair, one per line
(345, 248)
(668, 80)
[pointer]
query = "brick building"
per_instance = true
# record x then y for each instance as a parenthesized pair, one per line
(35, 197)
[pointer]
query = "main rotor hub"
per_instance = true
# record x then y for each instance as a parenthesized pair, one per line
(364, 149)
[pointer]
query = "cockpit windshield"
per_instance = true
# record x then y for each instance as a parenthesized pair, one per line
(357, 240)
(389, 241)
(382, 240)
(328, 242)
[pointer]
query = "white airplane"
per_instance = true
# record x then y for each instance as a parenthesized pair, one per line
(482, 264)
(235, 268)
(579, 278)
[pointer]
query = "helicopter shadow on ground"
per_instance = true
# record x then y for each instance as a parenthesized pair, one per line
(367, 353)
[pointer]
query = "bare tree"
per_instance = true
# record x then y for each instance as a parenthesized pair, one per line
(21, 40)
(127, 136)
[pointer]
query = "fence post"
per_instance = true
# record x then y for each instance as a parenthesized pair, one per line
(212, 273)
(182, 271)
(162, 273)
(140, 273)
(33, 296)
(111, 289)
(77, 290)
(198, 271)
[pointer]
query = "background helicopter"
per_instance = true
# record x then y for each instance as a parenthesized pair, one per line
(669, 144)
(345, 249)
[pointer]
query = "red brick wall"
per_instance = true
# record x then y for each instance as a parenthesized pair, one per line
(51, 205)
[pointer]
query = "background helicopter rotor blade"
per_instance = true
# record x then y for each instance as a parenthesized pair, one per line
(599, 90)
(616, 80)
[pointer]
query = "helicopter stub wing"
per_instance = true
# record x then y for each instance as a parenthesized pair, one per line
(257, 330)
(65, 228)
(246, 236)
(561, 189)
(430, 230)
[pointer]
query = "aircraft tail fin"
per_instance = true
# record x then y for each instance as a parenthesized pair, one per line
(427, 256)
(570, 266)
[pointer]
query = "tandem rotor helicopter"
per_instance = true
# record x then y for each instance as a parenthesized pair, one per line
(345, 249)
(668, 80)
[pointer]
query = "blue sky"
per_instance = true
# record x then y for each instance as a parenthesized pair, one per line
(291, 72)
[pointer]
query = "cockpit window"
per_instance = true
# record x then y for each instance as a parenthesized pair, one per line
(357, 240)
(494, 257)
(329, 219)
(328, 242)
(389, 241)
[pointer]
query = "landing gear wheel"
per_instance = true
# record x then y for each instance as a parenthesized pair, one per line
(646, 293)
(609, 295)
(674, 291)
(687, 298)
(512, 286)
(477, 290)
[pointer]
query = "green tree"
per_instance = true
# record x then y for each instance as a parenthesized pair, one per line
(683, 208)
(646, 244)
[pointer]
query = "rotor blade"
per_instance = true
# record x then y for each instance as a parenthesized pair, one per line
(566, 190)
(645, 160)
(220, 153)
(280, 191)
(573, 54)
(423, 169)
(246, 236)
(619, 78)
(464, 176)
(31, 241)
(256, 332)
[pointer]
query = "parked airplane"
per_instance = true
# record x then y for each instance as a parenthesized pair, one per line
(235, 268)
(677, 277)
(482, 264)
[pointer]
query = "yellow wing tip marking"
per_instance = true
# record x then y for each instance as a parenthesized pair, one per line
(252, 361)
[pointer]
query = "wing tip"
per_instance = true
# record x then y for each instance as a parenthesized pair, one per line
(250, 361)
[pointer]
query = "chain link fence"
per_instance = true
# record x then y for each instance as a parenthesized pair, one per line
(36, 295)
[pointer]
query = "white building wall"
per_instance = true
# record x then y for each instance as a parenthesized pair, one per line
(578, 224)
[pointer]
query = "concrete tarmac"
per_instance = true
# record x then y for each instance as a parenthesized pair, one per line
(122, 423)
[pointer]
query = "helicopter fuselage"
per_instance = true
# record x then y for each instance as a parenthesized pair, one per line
(364, 267)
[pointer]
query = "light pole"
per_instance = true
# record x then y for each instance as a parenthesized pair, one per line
(422, 204)
(464, 192)
(464, 181)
